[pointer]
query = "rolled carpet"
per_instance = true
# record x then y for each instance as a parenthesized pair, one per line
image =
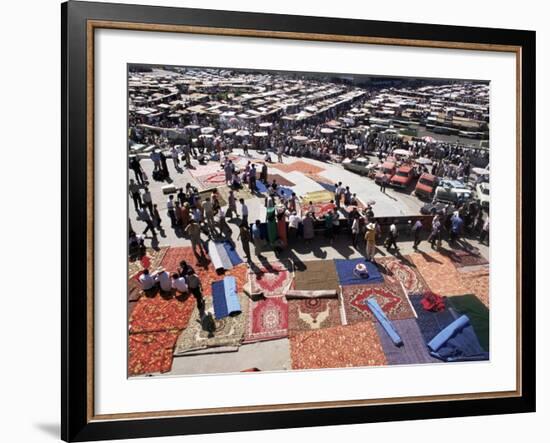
(225, 298)
(384, 322)
(452, 329)
(232, 253)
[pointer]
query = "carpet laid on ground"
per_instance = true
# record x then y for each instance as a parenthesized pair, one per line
(431, 323)
(279, 179)
(477, 282)
(227, 334)
(273, 279)
(317, 197)
(413, 350)
(232, 253)
(319, 209)
(244, 193)
(267, 320)
(389, 296)
(461, 258)
(156, 314)
(348, 276)
(208, 194)
(210, 181)
(225, 297)
(151, 352)
(317, 275)
(298, 166)
(151, 260)
(403, 271)
(134, 290)
(308, 314)
(439, 273)
(477, 312)
(209, 168)
(337, 347)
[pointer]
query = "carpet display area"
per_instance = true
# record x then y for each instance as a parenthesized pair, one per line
(267, 320)
(338, 347)
(212, 180)
(151, 260)
(156, 314)
(151, 353)
(389, 296)
(298, 166)
(272, 279)
(309, 314)
(404, 272)
(316, 275)
(348, 275)
(439, 273)
(218, 333)
(461, 258)
(477, 282)
(279, 180)
(478, 314)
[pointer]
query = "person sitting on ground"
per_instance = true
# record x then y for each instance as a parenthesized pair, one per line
(147, 281)
(179, 283)
(164, 281)
(184, 268)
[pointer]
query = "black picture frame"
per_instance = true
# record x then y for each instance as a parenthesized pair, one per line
(77, 423)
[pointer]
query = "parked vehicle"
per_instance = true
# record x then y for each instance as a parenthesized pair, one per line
(403, 177)
(359, 165)
(483, 194)
(426, 185)
(387, 169)
(452, 191)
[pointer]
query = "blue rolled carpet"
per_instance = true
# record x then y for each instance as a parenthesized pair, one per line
(232, 253)
(346, 276)
(457, 342)
(261, 186)
(413, 350)
(384, 322)
(431, 323)
(225, 298)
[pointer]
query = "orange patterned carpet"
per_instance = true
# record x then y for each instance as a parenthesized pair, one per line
(151, 260)
(439, 273)
(299, 166)
(203, 268)
(151, 352)
(477, 282)
(338, 347)
(403, 271)
(157, 314)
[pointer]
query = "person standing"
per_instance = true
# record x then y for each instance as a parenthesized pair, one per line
(456, 227)
(244, 236)
(209, 215)
(293, 225)
(244, 211)
(136, 167)
(175, 157)
(354, 230)
(145, 217)
(193, 230)
(384, 183)
(147, 199)
(156, 217)
(133, 189)
(337, 194)
(171, 207)
(257, 238)
(195, 287)
(329, 225)
(307, 224)
(435, 234)
(231, 205)
(164, 166)
(484, 235)
(417, 230)
(370, 241)
(155, 156)
(391, 241)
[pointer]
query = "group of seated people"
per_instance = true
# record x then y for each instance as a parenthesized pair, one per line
(161, 280)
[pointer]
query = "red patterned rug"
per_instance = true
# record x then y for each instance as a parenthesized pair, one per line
(320, 209)
(338, 347)
(306, 314)
(299, 166)
(272, 280)
(157, 314)
(403, 271)
(389, 296)
(151, 352)
(212, 180)
(461, 258)
(267, 320)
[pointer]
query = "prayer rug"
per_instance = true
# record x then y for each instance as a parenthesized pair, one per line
(477, 282)
(347, 276)
(151, 260)
(439, 273)
(461, 258)
(403, 271)
(298, 166)
(317, 197)
(210, 181)
(337, 347)
(431, 323)
(412, 351)
(389, 296)
(308, 314)
(271, 280)
(151, 352)
(317, 275)
(267, 320)
(478, 314)
(156, 314)
(279, 179)
(227, 331)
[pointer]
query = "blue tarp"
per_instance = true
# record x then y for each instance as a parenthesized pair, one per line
(384, 321)
(346, 275)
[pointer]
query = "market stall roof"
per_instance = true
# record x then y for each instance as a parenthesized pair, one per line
(192, 127)
(265, 125)
(242, 133)
(327, 131)
(208, 130)
(261, 134)
(230, 131)
(300, 138)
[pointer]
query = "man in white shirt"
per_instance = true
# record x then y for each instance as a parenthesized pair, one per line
(147, 281)
(164, 280)
(293, 225)
(244, 211)
(178, 283)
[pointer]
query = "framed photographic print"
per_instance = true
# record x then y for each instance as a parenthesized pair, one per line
(277, 221)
